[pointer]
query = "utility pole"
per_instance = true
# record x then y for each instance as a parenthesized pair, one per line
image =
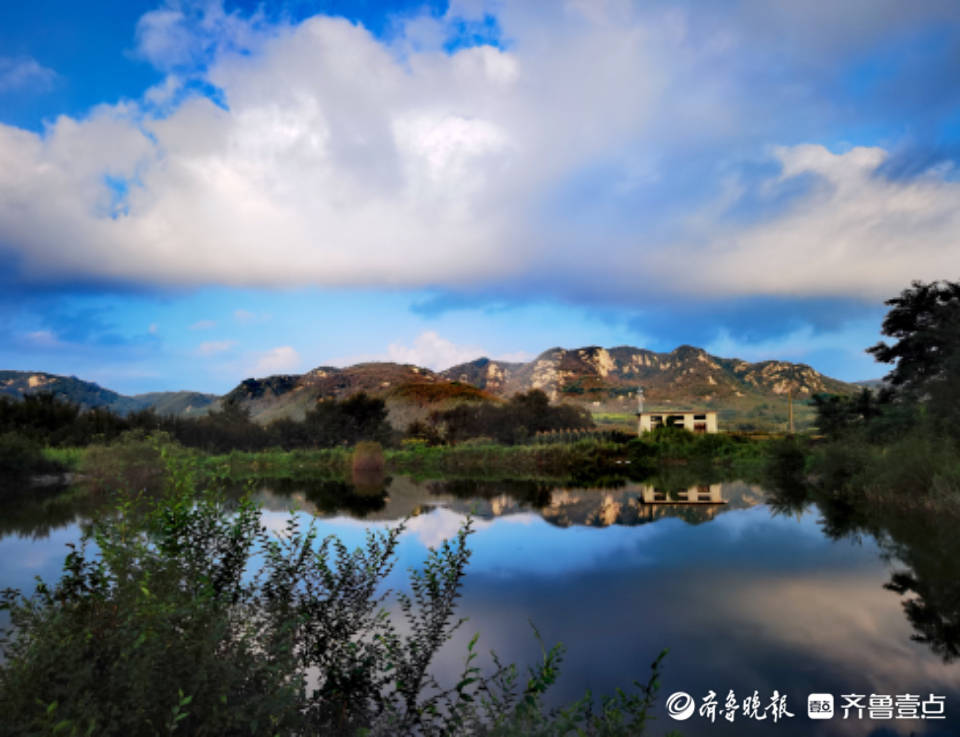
(790, 407)
(639, 411)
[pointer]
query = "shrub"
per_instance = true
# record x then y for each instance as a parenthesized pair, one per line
(134, 461)
(191, 617)
(19, 455)
(368, 456)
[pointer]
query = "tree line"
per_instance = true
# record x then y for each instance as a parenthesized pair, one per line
(42, 419)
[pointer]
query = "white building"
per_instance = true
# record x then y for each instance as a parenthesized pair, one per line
(700, 494)
(692, 420)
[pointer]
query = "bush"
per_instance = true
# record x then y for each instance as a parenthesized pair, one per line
(19, 455)
(135, 460)
(368, 456)
(171, 627)
(510, 423)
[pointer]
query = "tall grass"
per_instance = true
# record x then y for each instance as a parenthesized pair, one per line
(66, 458)
(555, 460)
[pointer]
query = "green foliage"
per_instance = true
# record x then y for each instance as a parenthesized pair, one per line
(64, 458)
(360, 417)
(474, 458)
(710, 455)
(926, 354)
(899, 446)
(838, 416)
(50, 421)
(190, 617)
(924, 320)
(134, 461)
(906, 495)
(785, 465)
(423, 432)
(513, 422)
(19, 455)
(149, 635)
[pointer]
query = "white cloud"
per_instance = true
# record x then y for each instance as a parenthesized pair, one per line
(345, 161)
(432, 351)
(440, 524)
(855, 233)
(280, 360)
(203, 325)
(43, 339)
(25, 73)
(213, 347)
(185, 34)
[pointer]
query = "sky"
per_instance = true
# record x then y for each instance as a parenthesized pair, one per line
(193, 193)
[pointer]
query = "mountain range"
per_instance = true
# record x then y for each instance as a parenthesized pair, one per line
(606, 380)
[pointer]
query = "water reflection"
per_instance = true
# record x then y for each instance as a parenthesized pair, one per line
(920, 540)
(749, 589)
(630, 504)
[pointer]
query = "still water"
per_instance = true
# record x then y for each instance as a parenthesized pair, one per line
(749, 592)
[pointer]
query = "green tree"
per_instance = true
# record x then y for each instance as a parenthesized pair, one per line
(360, 417)
(925, 320)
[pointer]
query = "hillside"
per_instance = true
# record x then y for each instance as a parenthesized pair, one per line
(686, 374)
(748, 395)
(410, 391)
(187, 404)
(606, 380)
(87, 394)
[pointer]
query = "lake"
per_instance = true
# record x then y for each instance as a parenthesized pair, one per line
(751, 593)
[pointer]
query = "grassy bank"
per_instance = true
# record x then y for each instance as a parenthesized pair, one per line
(142, 459)
(561, 460)
(921, 469)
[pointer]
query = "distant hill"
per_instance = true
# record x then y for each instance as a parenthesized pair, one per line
(70, 388)
(606, 380)
(87, 395)
(187, 404)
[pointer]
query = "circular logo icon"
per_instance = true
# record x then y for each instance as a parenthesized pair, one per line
(680, 705)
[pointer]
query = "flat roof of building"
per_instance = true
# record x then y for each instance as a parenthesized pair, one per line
(677, 412)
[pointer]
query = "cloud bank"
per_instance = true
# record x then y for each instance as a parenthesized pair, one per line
(599, 150)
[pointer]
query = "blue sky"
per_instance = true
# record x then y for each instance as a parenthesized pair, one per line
(196, 192)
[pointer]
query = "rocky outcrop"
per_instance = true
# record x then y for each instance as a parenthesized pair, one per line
(686, 374)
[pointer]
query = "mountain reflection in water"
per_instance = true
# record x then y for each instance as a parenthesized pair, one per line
(750, 590)
(630, 504)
